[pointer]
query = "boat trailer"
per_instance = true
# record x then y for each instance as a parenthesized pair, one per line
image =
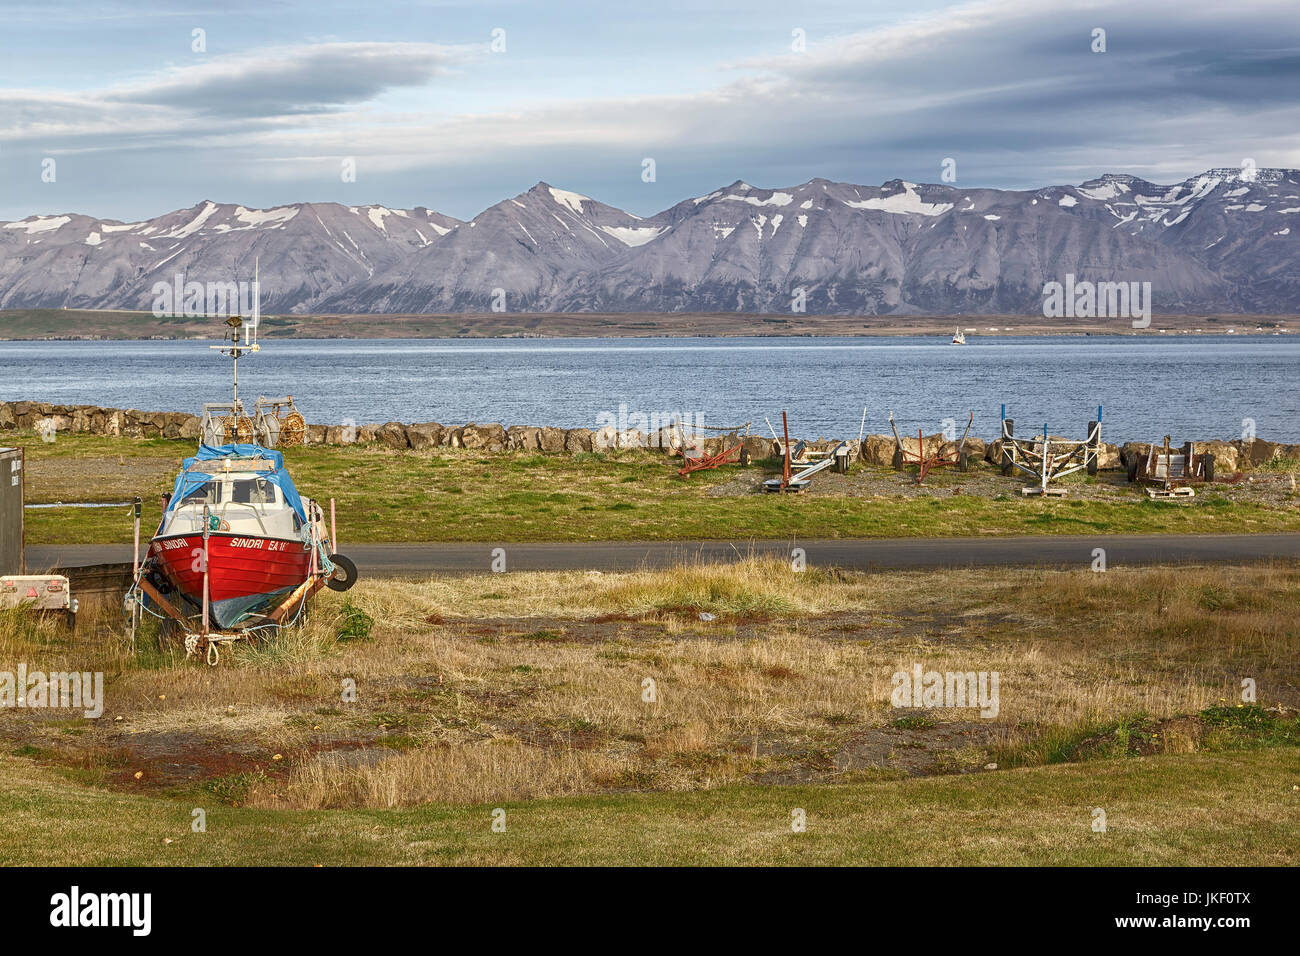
(335, 572)
(1045, 459)
(808, 462)
(1171, 473)
(694, 458)
(936, 459)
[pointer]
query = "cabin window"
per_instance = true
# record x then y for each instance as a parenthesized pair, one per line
(205, 494)
(257, 491)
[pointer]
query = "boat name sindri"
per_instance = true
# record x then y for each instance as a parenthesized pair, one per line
(260, 544)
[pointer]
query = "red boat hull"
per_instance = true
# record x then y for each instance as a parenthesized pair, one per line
(246, 573)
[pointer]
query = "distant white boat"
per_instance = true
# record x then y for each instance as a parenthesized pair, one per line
(959, 337)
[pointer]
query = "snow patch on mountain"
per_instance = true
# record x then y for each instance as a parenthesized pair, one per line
(376, 215)
(260, 217)
(776, 199)
(195, 224)
(41, 224)
(634, 235)
(565, 198)
(1108, 190)
(908, 202)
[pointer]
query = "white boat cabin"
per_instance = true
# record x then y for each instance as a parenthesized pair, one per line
(242, 502)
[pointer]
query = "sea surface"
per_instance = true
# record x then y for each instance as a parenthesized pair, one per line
(1189, 387)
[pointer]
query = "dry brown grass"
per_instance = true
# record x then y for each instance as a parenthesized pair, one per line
(513, 686)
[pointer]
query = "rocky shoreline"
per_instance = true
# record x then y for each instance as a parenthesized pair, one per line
(873, 449)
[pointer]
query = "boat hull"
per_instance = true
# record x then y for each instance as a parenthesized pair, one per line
(247, 574)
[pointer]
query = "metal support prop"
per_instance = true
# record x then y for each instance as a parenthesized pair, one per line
(135, 573)
(161, 601)
(206, 532)
(785, 447)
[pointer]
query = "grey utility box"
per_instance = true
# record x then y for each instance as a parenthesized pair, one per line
(11, 511)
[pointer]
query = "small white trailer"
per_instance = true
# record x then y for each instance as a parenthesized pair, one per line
(39, 592)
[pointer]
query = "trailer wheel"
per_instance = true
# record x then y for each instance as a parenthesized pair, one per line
(1133, 469)
(70, 619)
(963, 462)
(898, 459)
(744, 458)
(345, 573)
(1092, 463)
(842, 464)
(1209, 466)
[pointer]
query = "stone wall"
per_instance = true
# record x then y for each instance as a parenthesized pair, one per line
(874, 449)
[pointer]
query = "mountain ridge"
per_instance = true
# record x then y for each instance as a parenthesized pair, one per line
(1217, 241)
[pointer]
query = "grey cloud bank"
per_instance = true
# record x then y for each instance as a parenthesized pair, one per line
(1013, 91)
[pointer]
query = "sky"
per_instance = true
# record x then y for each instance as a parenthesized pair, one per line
(127, 109)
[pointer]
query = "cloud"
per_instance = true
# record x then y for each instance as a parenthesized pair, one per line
(271, 84)
(292, 80)
(1010, 88)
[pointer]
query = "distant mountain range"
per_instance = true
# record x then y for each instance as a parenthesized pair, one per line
(1218, 242)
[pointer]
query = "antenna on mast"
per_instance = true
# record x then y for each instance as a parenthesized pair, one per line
(257, 300)
(231, 345)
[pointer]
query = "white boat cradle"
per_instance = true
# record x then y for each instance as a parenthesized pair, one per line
(1046, 459)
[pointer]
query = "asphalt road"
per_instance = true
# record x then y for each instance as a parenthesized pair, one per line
(872, 554)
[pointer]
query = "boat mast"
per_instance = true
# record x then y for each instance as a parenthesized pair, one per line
(235, 349)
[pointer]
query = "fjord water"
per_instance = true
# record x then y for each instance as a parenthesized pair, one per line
(1188, 386)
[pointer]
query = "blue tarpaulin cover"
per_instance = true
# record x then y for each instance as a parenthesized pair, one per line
(187, 481)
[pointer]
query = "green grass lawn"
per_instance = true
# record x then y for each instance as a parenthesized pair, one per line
(384, 495)
(1224, 809)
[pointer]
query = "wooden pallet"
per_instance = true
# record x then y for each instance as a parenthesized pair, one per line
(1165, 494)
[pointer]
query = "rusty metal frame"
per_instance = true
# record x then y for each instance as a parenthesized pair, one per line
(926, 462)
(701, 462)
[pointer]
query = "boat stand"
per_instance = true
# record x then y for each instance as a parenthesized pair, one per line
(694, 458)
(1046, 459)
(796, 482)
(1171, 473)
(934, 460)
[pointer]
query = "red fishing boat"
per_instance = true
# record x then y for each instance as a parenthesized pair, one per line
(237, 549)
(262, 541)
